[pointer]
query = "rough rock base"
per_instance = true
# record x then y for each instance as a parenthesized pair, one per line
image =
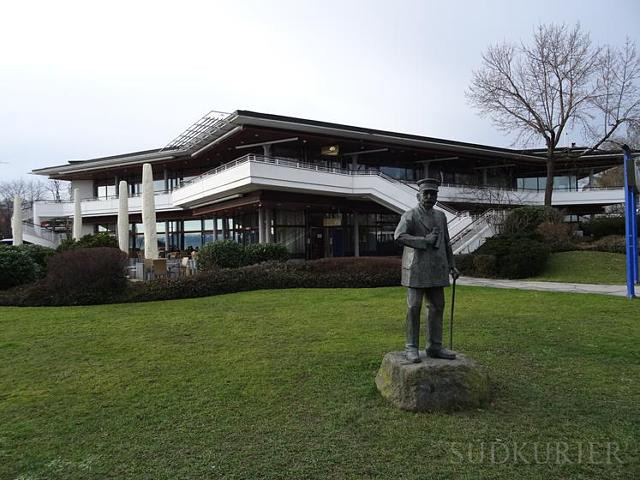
(433, 384)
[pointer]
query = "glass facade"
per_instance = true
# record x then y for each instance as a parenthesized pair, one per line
(305, 235)
(560, 183)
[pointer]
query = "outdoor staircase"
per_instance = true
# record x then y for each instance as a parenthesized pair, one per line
(475, 234)
(38, 235)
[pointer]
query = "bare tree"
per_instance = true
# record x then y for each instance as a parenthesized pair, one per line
(58, 189)
(30, 191)
(558, 83)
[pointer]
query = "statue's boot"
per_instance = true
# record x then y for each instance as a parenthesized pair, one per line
(436, 350)
(412, 332)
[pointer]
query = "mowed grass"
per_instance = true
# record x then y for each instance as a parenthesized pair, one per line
(280, 384)
(585, 267)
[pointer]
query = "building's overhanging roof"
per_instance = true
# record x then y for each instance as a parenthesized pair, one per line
(215, 127)
(246, 117)
(134, 158)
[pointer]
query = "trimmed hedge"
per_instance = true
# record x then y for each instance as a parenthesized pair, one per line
(362, 272)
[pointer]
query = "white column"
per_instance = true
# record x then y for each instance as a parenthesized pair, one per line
(260, 225)
(36, 217)
(166, 239)
(356, 235)
(77, 215)
(149, 214)
(123, 216)
(267, 227)
(16, 221)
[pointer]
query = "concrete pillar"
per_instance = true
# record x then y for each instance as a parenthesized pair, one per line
(116, 181)
(149, 214)
(36, 217)
(266, 150)
(167, 237)
(16, 221)
(77, 215)
(356, 235)
(215, 229)
(354, 163)
(268, 215)
(166, 179)
(261, 225)
(123, 217)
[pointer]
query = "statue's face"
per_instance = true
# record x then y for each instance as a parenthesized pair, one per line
(427, 198)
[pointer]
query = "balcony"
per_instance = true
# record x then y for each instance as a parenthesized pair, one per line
(95, 207)
(255, 172)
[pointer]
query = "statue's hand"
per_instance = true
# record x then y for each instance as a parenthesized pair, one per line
(431, 238)
(455, 273)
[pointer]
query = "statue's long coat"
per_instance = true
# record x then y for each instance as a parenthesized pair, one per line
(423, 265)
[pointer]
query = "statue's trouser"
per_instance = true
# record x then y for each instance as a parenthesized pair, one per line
(435, 297)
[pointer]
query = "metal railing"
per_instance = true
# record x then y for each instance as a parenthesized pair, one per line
(41, 232)
(473, 226)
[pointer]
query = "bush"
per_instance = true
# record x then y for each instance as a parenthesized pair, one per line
(229, 254)
(37, 253)
(610, 243)
(265, 252)
(360, 272)
(484, 266)
(525, 220)
(558, 237)
(82, 276)
(96, 240)
(16, 267)
(225, 254)
(603, 226)
(517, 256)
(464, 263)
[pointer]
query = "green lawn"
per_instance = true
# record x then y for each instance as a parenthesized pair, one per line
(585, 267)
(280, 384)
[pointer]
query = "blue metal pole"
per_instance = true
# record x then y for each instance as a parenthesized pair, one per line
(630, 219)
(634, 236)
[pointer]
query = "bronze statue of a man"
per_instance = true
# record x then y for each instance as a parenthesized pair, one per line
(427, 261)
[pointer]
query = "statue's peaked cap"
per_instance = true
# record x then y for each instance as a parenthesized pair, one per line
(428, 184)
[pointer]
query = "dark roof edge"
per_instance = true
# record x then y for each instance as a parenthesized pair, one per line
(317, 123)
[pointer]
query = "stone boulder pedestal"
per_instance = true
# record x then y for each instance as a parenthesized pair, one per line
(433, 384)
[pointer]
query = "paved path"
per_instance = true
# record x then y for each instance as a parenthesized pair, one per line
(617, 290)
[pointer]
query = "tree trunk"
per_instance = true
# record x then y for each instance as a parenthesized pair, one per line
(548, 191)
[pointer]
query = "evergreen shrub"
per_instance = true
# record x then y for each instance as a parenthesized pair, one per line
(517, 256)
(17, 267)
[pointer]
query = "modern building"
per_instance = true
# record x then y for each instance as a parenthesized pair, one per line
(322, 189)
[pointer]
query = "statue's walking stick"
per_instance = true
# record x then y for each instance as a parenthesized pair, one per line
(453, 302)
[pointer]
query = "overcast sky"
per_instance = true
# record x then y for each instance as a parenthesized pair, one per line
(86, 79)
